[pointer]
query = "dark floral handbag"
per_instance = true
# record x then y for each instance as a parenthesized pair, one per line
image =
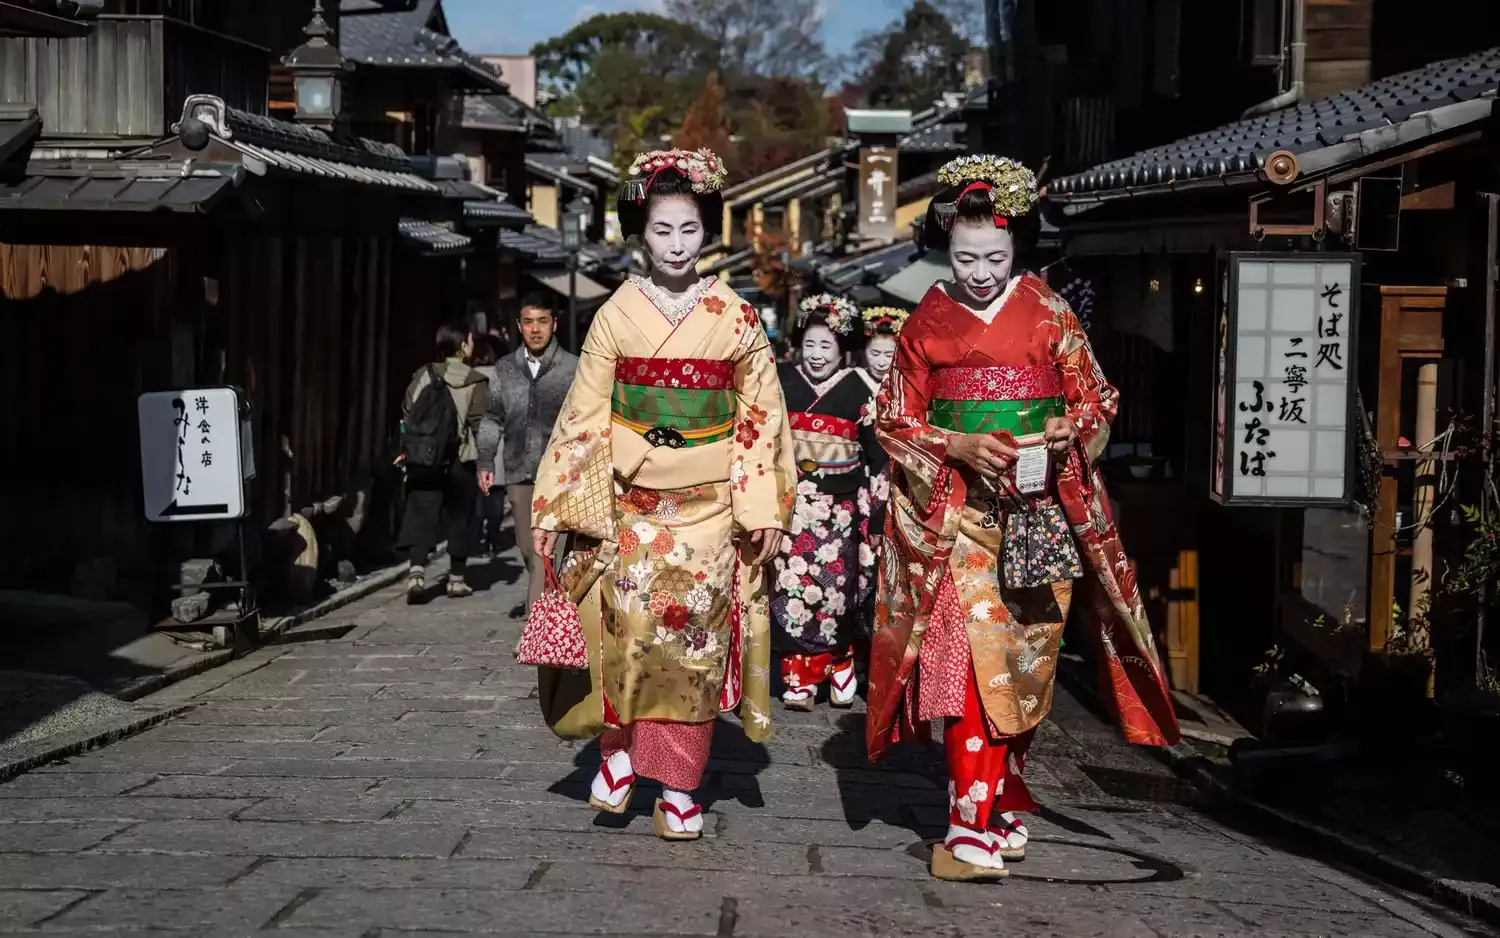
(1039, 548)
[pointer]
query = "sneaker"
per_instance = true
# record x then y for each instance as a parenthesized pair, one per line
(458, 589)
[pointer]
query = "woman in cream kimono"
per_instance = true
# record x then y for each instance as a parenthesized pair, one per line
(671, 464)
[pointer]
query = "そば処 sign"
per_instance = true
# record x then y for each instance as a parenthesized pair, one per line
(1284, 389)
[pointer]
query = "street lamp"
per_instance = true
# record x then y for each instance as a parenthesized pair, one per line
(575, 225)
(317, 74)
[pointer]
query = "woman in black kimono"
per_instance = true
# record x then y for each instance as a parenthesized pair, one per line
(815, 602)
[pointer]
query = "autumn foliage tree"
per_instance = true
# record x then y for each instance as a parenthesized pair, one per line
(703, 126)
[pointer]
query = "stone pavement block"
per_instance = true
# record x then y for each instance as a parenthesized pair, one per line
(23, 907)
(747, 885)
(891, 863)
(460, 873)
(276, 690)
(505, 912)
(573, 815)
(187, 731)
(105, 871)
(366, 768)
(623, 847)
(352, 651)
(1294, 889)
(1174, 918)
(478, 734)
(409, 751)
(56, 836)
(230, 910)
(255, 787)
(311, 807)
(293, 839)
(206, 717)
(38, 784)
(502, 790)
(771, 828)
(147, 761)
(119, 808)
(437, 691)
(228, 750)
(389, 664)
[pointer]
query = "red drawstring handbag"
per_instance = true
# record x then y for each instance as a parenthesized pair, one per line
(553, 636)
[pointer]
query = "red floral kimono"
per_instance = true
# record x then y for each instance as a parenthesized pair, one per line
(951, 641)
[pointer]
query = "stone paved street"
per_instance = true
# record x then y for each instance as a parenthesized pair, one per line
(398, 780)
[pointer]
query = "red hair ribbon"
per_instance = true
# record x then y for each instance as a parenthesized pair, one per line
(651, 179)
(982, 186)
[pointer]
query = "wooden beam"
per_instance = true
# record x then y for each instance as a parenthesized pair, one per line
(1431, 199)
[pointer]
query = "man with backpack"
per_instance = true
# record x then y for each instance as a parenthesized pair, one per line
(442, 409)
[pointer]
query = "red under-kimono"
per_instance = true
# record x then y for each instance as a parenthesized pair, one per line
(951, 641)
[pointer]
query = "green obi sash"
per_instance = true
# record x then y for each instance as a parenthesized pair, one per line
(675, 402)
(1018, 401)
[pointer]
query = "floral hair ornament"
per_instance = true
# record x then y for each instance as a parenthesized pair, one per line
(704, 171)
(1011, 187)
(877, 316)
(839, 312)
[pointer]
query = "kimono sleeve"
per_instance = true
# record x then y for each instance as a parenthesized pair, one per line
(575, 480)
(763, 471)
(1092, 402)
(869, 442)
(901, 416)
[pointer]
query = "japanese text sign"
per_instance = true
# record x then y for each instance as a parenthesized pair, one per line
(1285, 381)
(877, 193)
(191, 468)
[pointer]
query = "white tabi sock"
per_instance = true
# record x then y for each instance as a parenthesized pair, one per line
(683, 802)
(619, 768)
(966, 852)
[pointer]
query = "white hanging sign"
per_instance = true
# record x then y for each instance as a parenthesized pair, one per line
(1285, 378)
(191, 464)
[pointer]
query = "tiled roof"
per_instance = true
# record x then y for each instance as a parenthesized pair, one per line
(121, 186)
(946, 137)
(1242, 147)
(296, 148)
(497, 212)
(401, 38)
(430, 238)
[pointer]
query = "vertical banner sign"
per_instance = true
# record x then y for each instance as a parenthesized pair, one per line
(191, 468)
(1285, 381)
(877, 193)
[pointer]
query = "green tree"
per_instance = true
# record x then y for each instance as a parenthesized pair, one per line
(757, 37)
(918, 59)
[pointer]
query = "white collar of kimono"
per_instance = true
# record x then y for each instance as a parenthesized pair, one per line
(986, 315)
(827, 384)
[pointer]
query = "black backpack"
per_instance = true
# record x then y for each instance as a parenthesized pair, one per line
(429, 437)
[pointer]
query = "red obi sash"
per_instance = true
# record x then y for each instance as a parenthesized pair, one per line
(996, 383)
(699, 374)
(823, 423)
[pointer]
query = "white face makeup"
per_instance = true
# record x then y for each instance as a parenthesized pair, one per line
(674, 238)
(880, 352)
(820, 352)
(981, 256)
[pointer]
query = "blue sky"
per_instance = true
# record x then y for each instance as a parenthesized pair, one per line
(498, 26)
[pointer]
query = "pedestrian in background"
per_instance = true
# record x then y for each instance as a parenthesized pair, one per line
(441, 414)
(524, 399)
(488, 350)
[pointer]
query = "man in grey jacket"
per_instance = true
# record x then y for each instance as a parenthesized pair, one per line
(525, 397)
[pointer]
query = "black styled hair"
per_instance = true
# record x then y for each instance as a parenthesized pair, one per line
(975, 206)
(451, 337)
(537, 299)
(669, 182)
(852, 341)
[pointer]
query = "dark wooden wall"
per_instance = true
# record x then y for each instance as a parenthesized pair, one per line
(304, 325)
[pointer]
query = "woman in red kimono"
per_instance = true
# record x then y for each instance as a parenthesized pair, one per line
(993, 416)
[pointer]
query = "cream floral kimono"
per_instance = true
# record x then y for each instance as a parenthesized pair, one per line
(672, 442)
